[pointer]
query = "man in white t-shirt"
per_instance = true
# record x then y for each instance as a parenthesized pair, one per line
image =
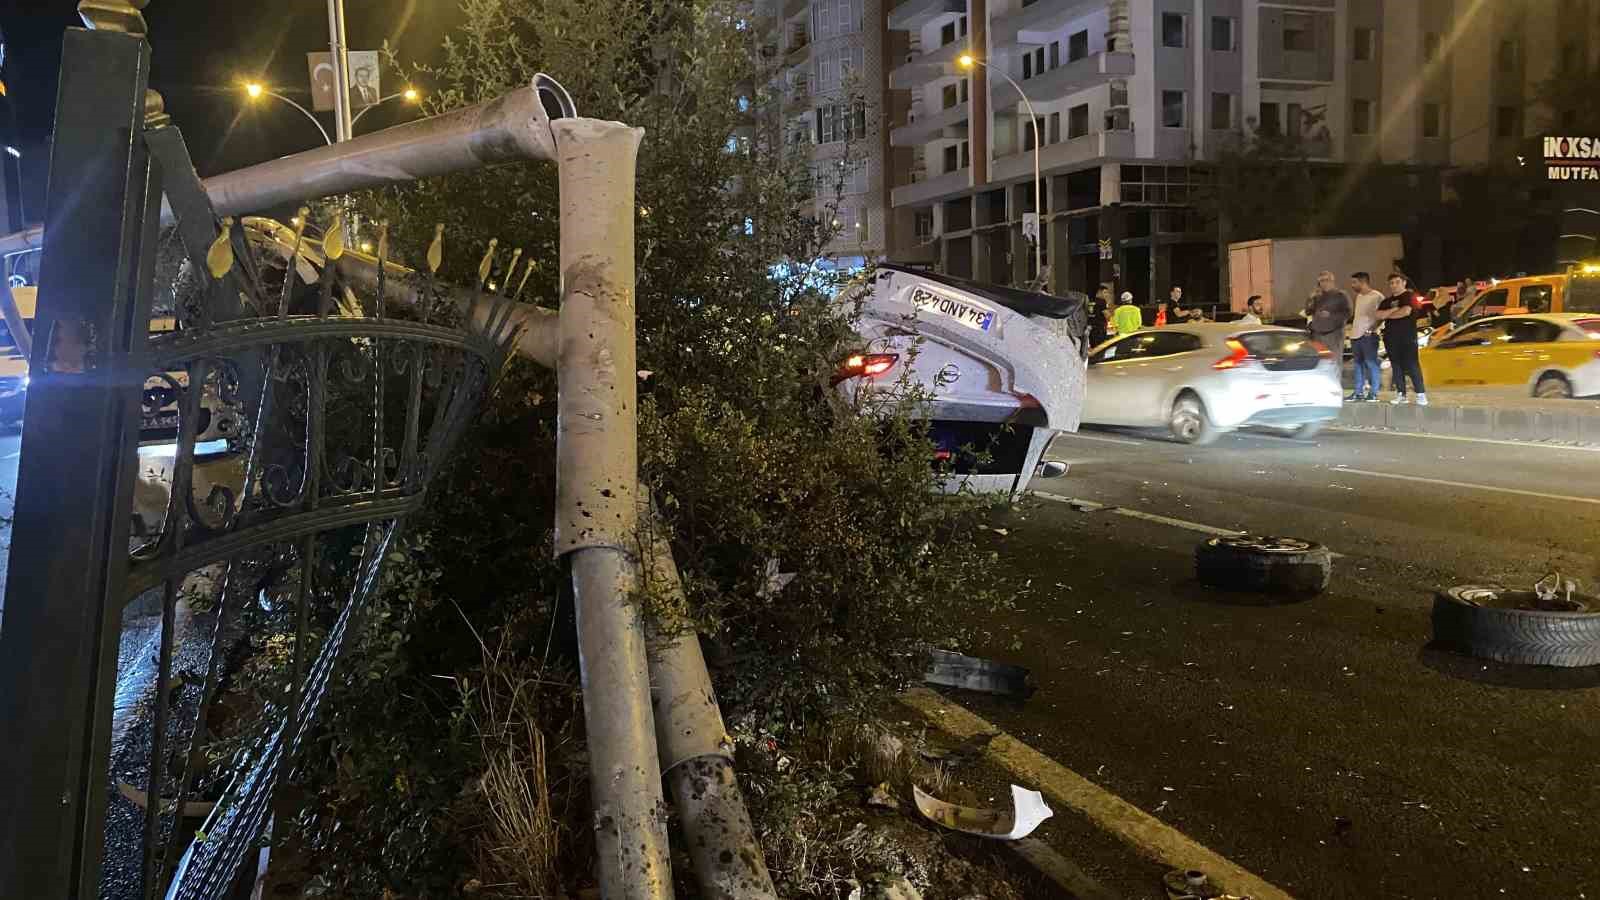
(1364, 338)
(1252, 311)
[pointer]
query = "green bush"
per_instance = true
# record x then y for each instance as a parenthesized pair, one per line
(757, 467)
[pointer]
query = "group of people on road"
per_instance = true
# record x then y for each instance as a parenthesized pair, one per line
(1370, 316)
(1122, 316)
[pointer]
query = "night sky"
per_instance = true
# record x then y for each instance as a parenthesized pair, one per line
(203, 49)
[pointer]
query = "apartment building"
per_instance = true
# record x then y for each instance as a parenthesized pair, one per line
(1134, 97)
(829, 89)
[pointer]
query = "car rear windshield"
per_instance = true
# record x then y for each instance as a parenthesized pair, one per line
(1278, 344)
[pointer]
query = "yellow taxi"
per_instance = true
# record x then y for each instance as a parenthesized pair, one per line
(1552, 356)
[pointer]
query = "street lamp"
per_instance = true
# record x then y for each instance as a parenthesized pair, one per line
(255, 90)
(410, 95)
(968, 61)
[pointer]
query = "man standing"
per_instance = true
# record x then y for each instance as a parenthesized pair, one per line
(1328, 313)
(1176, 312)
(1100, 316)
(1398, 314)
(1128, 318)
(1252, 311)
(1364, 338)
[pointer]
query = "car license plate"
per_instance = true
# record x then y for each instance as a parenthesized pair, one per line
(969, 314)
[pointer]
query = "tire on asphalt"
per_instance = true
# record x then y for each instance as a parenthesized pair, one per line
(1189, 423)
(1553, 386)
(1491, 622)
(1264, 564)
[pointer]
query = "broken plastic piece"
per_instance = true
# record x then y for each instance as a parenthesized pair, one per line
(977, 674)
(1028, 809)
(1192, 884)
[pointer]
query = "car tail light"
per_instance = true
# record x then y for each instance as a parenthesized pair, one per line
(867, 364)
(1322, 350)
(1237, 356)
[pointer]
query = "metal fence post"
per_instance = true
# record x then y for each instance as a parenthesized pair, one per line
(75, 478)
(597, 464)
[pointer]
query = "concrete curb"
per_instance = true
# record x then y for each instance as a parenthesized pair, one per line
(1538, 424)
(1147, 835)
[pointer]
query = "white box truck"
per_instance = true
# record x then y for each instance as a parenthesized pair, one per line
(1284, 270)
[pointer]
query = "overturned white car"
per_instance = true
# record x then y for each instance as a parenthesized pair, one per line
(1005, 368)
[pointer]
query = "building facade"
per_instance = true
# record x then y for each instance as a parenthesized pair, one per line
(1134, 98)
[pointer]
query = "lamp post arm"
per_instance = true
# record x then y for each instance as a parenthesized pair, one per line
(1038, 193)
(303, 111)
(381, 101)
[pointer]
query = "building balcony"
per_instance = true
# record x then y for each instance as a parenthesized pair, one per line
(1075, 76)
(925, 67)
(928, 126)
(920, 192)
(1034, 24)
(1068, 154)
(917, 13)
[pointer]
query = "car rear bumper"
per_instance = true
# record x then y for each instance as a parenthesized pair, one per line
(1293, 415)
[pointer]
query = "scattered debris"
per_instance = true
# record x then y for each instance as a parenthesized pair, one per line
(881, 797)
(973, 673)
(775, 580)
(1028, 810)
(884, 886)
(1192, 884)
(966, 751)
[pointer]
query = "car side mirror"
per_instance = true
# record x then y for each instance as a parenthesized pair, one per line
(1051, 469)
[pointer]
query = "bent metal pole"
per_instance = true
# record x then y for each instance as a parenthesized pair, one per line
(696, 752)
(597, 465)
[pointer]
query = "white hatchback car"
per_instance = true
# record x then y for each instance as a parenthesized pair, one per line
(1202, 380)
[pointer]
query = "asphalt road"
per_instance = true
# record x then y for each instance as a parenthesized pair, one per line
(1322, 744)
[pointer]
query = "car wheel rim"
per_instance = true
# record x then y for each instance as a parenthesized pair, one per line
(1552, 388)
(1186, 421)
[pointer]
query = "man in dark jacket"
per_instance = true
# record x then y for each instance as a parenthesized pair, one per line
(1328, 313)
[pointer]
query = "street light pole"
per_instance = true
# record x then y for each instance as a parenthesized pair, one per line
(341, 70)
(967, 61)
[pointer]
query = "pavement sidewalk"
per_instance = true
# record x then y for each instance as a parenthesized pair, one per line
(1483, 414)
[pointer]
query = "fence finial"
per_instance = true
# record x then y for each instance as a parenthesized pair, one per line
(487, 265)
(333, 241)
(436, 249)
(219, 259)
(114, 15)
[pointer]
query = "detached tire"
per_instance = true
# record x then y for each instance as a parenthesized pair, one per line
(1270, 564)
(1490, 622)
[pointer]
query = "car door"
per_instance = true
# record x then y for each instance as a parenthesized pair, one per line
(1133, 382)
(1103, 401)
(1531, 346)
(1465, 357)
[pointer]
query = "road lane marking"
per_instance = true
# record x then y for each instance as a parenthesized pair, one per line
(1149, 836)
(1177, 523)
(1466, 440)
(1091, 506)
(1473, 487)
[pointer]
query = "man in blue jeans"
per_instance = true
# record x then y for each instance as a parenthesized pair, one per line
(1364, 338)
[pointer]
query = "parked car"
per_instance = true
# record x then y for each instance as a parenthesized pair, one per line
(1004, 367)
(1552, 356)
(1202, 380)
